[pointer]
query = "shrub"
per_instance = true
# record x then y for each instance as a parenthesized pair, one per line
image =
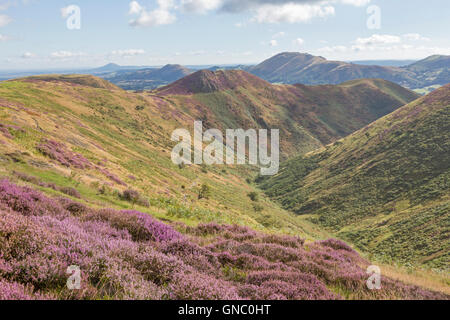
(134, 197)
(130, 255)
(205, 192)
(70, 192)
(59, 152)
(253, 196)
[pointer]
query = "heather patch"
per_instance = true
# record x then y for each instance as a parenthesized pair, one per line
(131, 255)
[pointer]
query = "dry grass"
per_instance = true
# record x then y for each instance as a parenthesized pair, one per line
(428, 279)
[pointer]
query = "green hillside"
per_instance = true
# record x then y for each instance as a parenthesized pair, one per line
(384, 188)
(89, 145)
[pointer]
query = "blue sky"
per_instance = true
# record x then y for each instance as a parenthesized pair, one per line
(34, 33)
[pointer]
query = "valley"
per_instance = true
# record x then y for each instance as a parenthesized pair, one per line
(86, 142)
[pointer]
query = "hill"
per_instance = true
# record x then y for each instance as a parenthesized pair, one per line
(432, 71)
(80, 80)
(89, 182)
(384, 188)
(148, 78)
(293, 67)
(307, 116)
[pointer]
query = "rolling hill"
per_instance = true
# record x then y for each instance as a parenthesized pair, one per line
(87, 180)
(146, 79)
(307, 116)
(293, 67)
(384, 188)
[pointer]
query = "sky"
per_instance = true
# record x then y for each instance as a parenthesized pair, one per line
(38, 34)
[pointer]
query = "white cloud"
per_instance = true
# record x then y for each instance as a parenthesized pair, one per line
(28, 55)
(200, 6)
(3, 37)
(135, 8)
(160, 16)
(128, 52)
(358, 3)
(415, 37)
(4, 6)
(279, 35)
(298, 42)
(378, 39)
(66, 54)
(4, 20)
(273, 43)
(292, 13)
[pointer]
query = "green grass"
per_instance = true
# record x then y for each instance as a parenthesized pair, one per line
(385, 188)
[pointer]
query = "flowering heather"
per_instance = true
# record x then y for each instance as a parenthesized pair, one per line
(59, 152)
(141, 226)
(130, 255)
(66, 190)
(5, 132)
(111, 176)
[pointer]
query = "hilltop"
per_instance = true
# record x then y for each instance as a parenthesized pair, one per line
(147, 78)
(384, 188)
(207, 81)
(294, 67)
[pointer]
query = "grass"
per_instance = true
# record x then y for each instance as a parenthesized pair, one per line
(384, 188)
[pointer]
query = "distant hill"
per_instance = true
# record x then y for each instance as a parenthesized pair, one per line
(307, 116)
(432, 71)
(385, 188)
(385, 63)
(294, 67)
(81, 80)
(147, 79)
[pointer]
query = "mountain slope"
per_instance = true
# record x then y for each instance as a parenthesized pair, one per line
(307, 116)
(385, 188)
(103, 141)
(292, 67)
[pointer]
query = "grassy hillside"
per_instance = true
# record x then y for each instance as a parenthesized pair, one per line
(130, 255)
(384, 188)
(72, 133)
(77, 151)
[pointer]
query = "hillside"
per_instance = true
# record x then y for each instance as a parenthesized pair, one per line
(307, 116)
(89, 182)
(146, 79)
(103, 142)
(384, 188)
(293, 67)
(432, 71)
